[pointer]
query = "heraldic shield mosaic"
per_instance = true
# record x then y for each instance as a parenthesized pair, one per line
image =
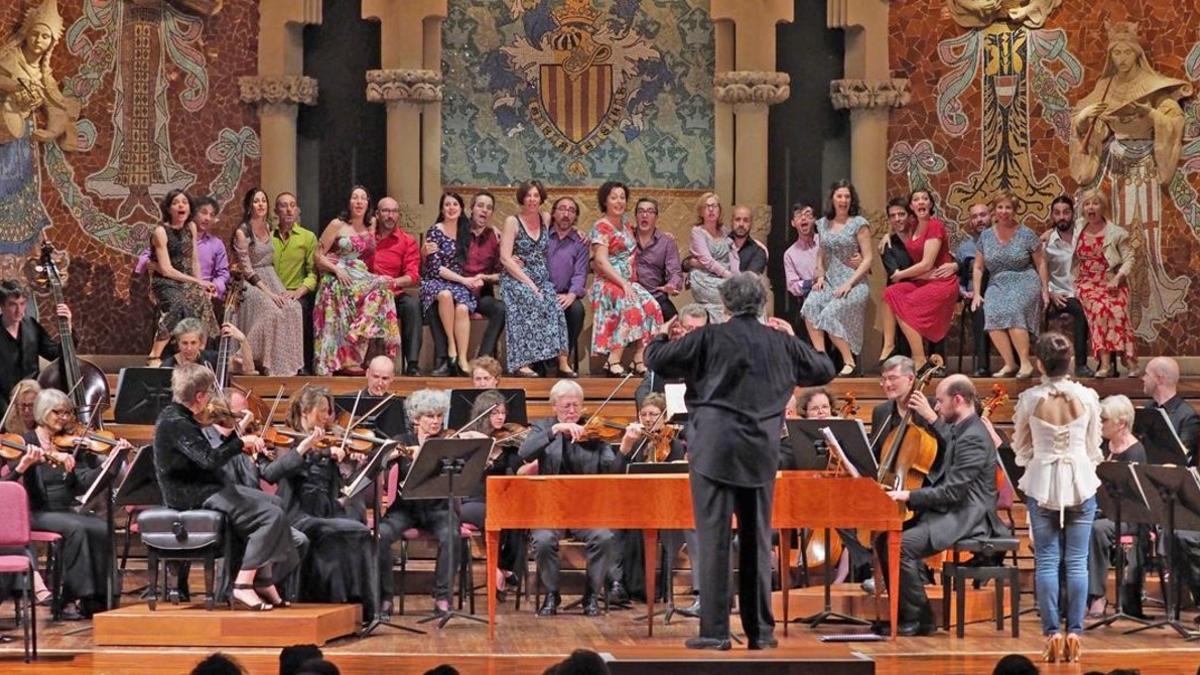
(576, 92)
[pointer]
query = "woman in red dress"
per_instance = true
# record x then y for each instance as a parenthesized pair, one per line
(922, 297)
(1103, 262)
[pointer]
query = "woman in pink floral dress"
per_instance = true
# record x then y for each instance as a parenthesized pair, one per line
(1103, 262)
(353, 306)
(625, 312)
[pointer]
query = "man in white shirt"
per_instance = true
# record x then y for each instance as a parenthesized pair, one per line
(1060, 241)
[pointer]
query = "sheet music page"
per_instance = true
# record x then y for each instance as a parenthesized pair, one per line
(674, 394)
(1138, 483)
(836, 447)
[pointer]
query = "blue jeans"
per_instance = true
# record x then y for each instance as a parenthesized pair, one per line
(1049, 539)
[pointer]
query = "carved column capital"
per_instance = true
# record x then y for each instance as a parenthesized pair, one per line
(404, 85)
(860, 94)
(754, 87)
(271, 91)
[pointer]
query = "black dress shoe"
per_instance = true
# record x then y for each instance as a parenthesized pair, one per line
(1084, 371)
(550, 604)
(765, 642)
(412, 371)
(590, 606)
(981, 372)
(906, 628)
(707, 643)
(442, 369)
(692, 610)
(617, 594)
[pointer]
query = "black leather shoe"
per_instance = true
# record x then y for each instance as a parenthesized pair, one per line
(707, 643)
(412, 371)
(617, 594)
(906, 629)
(692, 610)
(981, 372)
(549, 605)
(765, 642)
(590, 606)
(1084, 371)
(442, 369)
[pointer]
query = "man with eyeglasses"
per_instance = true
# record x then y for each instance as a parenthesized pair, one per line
(658, 269)
(567, 257)
(396, 257)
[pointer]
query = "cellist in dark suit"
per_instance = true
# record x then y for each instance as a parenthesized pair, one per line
(739, 376)
(957, 501)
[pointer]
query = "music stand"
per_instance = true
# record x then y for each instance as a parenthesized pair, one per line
(141, 394)
(811, 452)
(432, 476)
(1179, 490)
(390, 420)
(1122, 495)
(372, 471)
(461, 401)
(1153, 428)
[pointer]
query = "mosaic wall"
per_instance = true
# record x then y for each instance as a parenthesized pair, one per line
(992, 108)
(156, 89)
(576, 92)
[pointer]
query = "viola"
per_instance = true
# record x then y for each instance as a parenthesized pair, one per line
(82, 380)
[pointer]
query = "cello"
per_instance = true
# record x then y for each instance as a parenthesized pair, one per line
(82, 380)
(226, 346)
(911, 451)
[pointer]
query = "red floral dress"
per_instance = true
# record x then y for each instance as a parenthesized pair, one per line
(620, 320)
(1107, 311)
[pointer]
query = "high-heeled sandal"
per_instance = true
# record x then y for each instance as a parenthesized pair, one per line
(639, 368)
(567, 372)
(1072, 649)
(1005, 372)
(848, 370)
(1053, 651)
(238, 603)
(259, 585)
(614, 369)
(524, 372)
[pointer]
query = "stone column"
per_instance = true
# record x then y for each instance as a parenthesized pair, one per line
(409, 83)
(281, 86)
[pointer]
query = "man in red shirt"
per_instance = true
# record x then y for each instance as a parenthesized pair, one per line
(396, 256)
(483, 262)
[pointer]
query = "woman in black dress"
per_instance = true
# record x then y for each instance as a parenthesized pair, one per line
(178, 285)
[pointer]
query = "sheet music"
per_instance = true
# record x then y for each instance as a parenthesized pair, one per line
(1137, 482)
(836, 447)
(674, 394)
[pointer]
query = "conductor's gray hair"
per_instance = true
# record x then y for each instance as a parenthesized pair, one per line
(744, 294)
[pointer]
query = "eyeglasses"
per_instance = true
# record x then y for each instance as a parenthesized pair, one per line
(62, 413)
(652, 212)
(569, 405)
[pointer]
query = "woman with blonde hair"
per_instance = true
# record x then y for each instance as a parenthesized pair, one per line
(711, 256)
(1102, 263)
(20, 418)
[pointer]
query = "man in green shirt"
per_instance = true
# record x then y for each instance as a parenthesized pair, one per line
(295, 263)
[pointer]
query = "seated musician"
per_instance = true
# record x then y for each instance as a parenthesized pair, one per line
(381, 372)
(690, 318)
(23, 339)
(53, 477)
(1161, 383)
(309, 477)
(561, 446)
(485, 372)
(23, 395)
(426, 409)
(503, 461)
(897, 376)
(1116, 428)
(650, 412)
(191, 476)
(191, 339)
(958, 501)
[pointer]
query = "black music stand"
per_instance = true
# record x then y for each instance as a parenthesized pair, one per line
(432, 476)
(141, 394)
(1153, 428)
(461, 401)
(373, 472)
(390, 420)
(811, 450)
(1122, 495)
(137, 487)
(1179, 490)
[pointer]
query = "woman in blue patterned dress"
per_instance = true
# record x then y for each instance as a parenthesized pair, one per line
(838, 302)
(624, 312)
(537, 327)
(442, 282)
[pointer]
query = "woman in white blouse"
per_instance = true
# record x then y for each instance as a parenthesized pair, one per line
(1057, 439)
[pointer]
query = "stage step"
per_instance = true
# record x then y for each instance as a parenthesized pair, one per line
(850, 599)
(192, 626)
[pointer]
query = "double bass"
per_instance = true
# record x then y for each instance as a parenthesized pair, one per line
(227, 346)
(82, 380)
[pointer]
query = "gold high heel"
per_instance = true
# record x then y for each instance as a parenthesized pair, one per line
(1072, 649)
(1054, 649)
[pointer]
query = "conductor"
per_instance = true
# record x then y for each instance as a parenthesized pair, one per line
(739, 375)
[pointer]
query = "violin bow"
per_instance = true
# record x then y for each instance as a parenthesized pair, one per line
(613, 393)
(7, 412)
(353, 412)
(647, 435)
(365, 416)
(470, 424)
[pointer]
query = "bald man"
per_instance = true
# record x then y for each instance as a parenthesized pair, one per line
(396, 257)
(380, 373)
(1161, 382)
(752, 254)
(958, 502)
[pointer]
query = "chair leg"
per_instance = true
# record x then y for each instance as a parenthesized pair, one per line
(152, 578)
(55, 568)
(960, 602)
(998, 583)
(210, 563)
(403, 572)
(32, 614)
(947, 589)
(1014, 592)
(23, 605)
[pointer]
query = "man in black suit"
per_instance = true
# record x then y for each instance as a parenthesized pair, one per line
(739, 376)
(959, 500)
(556, 445)
(1161, 384)
(23, 339)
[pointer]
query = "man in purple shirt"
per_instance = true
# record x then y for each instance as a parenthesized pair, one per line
(567, 256)
(214, 260)
(658, 268)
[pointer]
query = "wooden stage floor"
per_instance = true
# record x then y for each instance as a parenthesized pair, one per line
(526, 644)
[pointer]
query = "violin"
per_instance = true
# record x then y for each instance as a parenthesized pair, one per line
(1006, 495)
(511, 435)
(911, 451)
(218, 413)
(13, 447)
(357, 441)
(598, 428)
(98, 442)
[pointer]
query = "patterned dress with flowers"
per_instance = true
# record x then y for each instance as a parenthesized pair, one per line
(346, 317)
(1109, 325)
(619, 320)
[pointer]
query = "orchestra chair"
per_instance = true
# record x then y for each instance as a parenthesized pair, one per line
(54, 568)
(171, 535)
(15, 535)
(956, 573)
